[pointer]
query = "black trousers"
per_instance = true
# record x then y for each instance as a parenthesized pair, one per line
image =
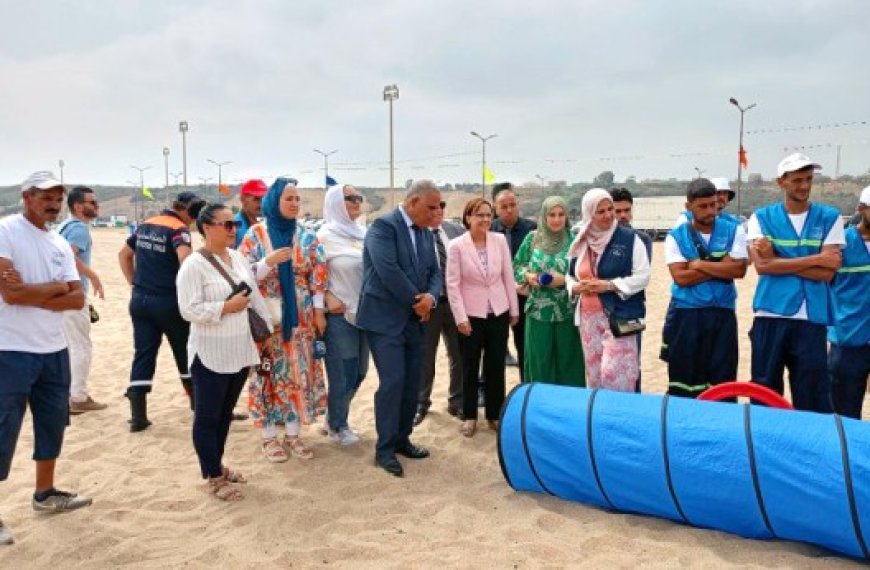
(519, 331)
(153, 318)
(849, 367)
(488, 336)
(702, 350)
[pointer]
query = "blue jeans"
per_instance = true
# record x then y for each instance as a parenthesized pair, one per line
(347, 361)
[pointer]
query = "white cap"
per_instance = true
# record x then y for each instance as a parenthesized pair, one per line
(795, 162)
(865, 196)
(721, 183)
(42, 180)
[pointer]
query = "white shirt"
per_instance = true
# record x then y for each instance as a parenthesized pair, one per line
(738, 248)
(345, 267)
(409, 222)
(223, 343)
(40, 257)
(837, 236)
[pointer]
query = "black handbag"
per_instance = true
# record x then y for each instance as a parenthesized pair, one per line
(259, 327)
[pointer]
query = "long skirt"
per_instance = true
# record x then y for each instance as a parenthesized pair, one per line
(611, 362)
(553, 353)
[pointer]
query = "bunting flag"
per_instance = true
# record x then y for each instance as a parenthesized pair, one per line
(742, 157)
(147, 193)
(488, 176)
(224, 189)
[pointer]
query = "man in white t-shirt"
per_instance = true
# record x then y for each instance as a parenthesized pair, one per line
(795, 246)
(38, 281)
(704, 257)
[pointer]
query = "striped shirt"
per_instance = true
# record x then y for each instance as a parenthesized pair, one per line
(222, 342)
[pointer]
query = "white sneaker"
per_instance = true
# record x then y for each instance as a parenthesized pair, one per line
(5, 535)
(344, 437)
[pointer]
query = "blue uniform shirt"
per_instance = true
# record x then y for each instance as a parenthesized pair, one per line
(155, 242)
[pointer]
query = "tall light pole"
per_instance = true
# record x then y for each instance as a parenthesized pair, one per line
(325, 156)
(391, 93)
(166, 172)
(175, 176)
(183, 127)
(141, 170)
(220, 166)
(541, 180)
(740, 152)
(60, 164)
(483, 140)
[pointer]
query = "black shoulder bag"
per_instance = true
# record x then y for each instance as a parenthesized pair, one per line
(259, 328)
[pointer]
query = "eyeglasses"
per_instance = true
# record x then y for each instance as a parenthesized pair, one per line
(229, 225)
(355, 198)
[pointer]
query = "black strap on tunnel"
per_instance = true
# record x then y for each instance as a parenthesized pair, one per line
(747, 428)
(500, 435)
(525, 441)
(850, 490)
(589, 407)
(667, 461)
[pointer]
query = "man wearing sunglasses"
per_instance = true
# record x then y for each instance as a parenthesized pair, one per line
(251, 195)
(83, 209)
(150, 260)
(441, 324)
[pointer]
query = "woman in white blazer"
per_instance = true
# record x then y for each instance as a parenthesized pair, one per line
(483, 299)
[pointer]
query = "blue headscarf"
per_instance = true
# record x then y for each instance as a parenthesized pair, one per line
(281, 231)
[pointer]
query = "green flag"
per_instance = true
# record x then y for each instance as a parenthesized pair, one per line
(147, 193)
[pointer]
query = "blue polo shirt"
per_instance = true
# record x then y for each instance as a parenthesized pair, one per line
(155, 242)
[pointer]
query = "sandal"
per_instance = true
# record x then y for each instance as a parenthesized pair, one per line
(297, 447)
(221, 488)
(468, 428)
(273, 451)
(232, 475)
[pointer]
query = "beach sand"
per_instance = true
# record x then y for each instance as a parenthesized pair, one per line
(452, 510)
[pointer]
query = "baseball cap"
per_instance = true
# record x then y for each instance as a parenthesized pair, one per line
(723, 185)
(865, 196)
(254, 187)
(42, 180)
(699, 185)
(187, 198)
(794, 162)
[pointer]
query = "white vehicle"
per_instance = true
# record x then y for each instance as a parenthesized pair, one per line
(656, 215)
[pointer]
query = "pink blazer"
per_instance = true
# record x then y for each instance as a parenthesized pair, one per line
(470, 288)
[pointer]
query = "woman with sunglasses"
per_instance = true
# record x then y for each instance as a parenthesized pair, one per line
(221, 349)
(291, 272)
(347, 351)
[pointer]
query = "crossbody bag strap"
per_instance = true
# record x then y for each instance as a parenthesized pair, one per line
(700, 246)
(211, 259)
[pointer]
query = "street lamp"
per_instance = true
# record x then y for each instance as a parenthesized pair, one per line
(166, 171)
(483, 161)
(699, 171)
(740, 152)
(183, 128)
(391, 93)
(325, 156)
(220, 166)
(141, 170)
(175, 176)
(541, 180)
(60, 165)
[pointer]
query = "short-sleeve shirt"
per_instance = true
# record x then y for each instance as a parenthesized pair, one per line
(837, 236)
(40, 257)
(155, 242)
(78, 234)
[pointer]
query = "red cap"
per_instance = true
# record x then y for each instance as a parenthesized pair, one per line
(255, 188)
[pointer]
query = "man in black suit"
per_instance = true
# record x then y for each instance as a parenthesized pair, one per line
(515, 230)
(401, 286)
(441, 325)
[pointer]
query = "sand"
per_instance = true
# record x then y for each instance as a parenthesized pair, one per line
(452, 510)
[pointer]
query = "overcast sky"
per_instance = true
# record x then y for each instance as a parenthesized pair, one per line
(572, 88)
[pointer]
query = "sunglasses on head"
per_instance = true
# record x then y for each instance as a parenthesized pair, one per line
(229, 225)
(355, 198)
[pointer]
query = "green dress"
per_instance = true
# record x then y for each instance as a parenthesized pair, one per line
(553, 352)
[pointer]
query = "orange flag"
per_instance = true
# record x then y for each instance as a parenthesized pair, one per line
(742, 157)
(224, 189)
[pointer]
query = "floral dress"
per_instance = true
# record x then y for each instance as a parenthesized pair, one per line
(294, 389)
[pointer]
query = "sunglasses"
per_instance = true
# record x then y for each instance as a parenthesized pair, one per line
(354, 198)
(229, 225)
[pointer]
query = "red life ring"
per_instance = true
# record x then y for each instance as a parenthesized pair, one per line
(755, 391)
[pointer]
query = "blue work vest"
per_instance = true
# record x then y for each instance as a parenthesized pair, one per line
(616, 262)
(718, 293)
(720, 216)
(851, 294)
(784, 294)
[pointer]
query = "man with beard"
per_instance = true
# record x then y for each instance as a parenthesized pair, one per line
(38, 281)
(83, 209)
(251, 195)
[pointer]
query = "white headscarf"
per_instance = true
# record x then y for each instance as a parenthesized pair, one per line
(336, 218)
(588, 236)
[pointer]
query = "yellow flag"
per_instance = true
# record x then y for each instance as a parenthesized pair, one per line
(147, 193)
(488, 176)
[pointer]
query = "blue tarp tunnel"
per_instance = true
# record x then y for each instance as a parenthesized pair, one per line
(750, 470)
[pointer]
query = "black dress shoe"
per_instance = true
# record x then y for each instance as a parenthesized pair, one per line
(391, 465)
(420, 416)
(412, 451)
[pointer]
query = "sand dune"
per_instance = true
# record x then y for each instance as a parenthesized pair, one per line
(453, 510)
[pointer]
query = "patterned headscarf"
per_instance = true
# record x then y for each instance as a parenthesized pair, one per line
(547, 240)
(281, 231)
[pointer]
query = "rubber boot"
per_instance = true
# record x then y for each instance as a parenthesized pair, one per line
(138, 411)
(187, 384)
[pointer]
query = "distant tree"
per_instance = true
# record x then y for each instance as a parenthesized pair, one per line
(604, 180)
